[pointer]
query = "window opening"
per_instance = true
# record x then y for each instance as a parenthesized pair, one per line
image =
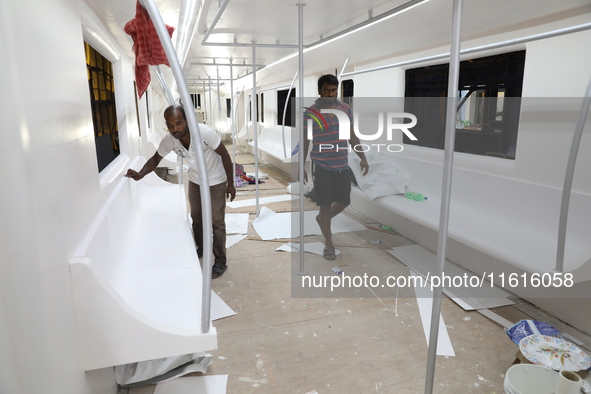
(347, 91)
(487, 117)
(250, 108)
(281, 98)
(262, 108)
(102, 102)
(196, 99)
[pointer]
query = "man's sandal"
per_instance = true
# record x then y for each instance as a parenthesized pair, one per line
(329, 253)
(218, 270)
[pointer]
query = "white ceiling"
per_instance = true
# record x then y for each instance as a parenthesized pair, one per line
(425, 26)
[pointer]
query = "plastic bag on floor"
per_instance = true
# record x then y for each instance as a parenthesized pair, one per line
(385, 176)
(294, 188)
(525, 328)
(153, 371)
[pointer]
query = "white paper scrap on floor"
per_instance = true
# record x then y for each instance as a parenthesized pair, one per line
(215, 384)
(272, 225)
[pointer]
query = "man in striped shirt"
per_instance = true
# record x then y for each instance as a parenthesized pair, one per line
(330, 167)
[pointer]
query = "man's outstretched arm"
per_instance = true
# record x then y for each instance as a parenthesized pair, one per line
(150, 166)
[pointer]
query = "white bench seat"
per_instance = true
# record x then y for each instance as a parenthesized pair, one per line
(270, 141)
(136, 278)
(510, 220)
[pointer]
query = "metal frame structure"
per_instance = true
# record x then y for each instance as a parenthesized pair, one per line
(300, 128)
(535, 37)
(450, 135)
(156, 18)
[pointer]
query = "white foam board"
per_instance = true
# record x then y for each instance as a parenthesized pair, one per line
(262, 200)
(219, 309)
(233, 239)
(272, 225)
(236, 223)
(215, 384)
(424, 261)
(310, 247)
(425, 303)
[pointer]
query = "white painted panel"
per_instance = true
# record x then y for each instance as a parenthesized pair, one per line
(51, 189)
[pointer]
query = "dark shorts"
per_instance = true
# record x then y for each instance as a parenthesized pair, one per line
(332, 186)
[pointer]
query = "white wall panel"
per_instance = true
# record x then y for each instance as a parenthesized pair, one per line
(555, 68)
(50, 192)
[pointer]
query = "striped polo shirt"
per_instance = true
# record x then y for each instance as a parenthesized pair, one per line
(326, 132)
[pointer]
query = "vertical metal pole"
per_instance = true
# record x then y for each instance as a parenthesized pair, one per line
(203, 177)
(181, 170)
(450, 133)
(300, 127)
(219, 98)
(568, 179)
(210, 117)
(255, 126)
(232, 126)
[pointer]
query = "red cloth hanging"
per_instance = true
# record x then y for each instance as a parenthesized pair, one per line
(146, 45)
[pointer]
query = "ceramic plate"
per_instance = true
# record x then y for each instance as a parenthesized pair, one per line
(554, 353)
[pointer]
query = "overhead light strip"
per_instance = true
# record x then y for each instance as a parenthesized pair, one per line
(354, 29)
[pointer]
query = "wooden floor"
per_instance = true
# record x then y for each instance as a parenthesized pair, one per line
(354, 344)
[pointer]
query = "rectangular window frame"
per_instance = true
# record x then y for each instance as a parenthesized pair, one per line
(101, 84)
(281, 97)
(482, 127)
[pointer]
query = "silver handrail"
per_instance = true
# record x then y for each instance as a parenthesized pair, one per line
(284, 112)
(450, 135)
(255, 129)
(343, 70)
(232, 126)
(156, 18)
(300, 128)
(568, 179)
(535, 37)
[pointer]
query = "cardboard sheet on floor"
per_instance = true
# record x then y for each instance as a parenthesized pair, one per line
(424, 262)
(425, 303)
(236, 223)
(310, 247)
(215, 384)
(219, 309)
(272, 225)
(263, 200)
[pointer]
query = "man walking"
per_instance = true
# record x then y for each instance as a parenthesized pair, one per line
(330, 167)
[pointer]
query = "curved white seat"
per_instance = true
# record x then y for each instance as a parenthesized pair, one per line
(270, 141)
(510, 220)
(136, 278)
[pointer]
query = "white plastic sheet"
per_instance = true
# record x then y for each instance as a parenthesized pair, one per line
(294, 187)
(153, 371)
(385, 176)
(310, 247)
(272, 225)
